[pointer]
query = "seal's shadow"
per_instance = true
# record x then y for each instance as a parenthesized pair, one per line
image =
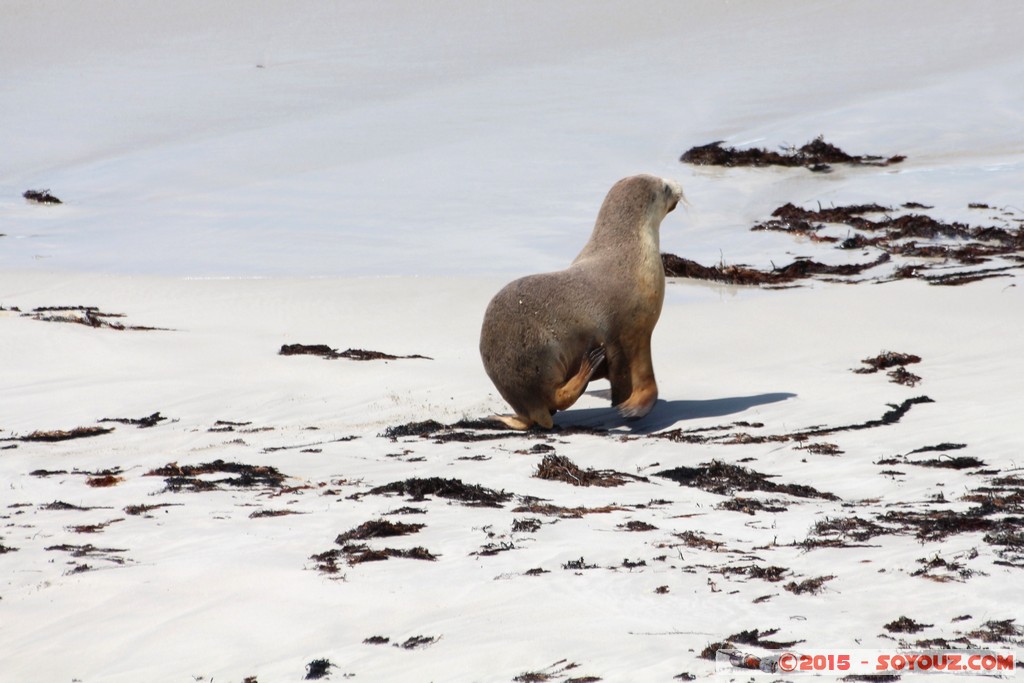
(665, 413)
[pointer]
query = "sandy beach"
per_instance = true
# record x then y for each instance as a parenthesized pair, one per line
(180, 501)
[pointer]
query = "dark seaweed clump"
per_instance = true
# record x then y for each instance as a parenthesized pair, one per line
(816, 155)
(66, 435)
(906, 625)
(801, 269)
(932, 242)
(140, 422)
(453, 489)
(922, 242)
(353, 552)
(186, 477)
(318, 668)
(560, 468)
(40, 197)
(379, 528)
(463, 431)
(723, 479)
(886, 360)
(327, 352)
(90, 316)
(891, 359)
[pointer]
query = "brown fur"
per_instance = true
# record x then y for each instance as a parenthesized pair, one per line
(546, 336)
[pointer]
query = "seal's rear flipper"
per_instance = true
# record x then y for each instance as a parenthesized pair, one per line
(634, 413)
(594, 358)
(640, 403)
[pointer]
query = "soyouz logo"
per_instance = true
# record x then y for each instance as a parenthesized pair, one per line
(894, 661)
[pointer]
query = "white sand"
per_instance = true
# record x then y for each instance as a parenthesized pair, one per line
(383, 173)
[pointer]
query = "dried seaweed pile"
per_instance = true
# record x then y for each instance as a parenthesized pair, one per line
(90, 316)
(188, 477)
(898, 361)
(325, 351)
(560, 468)
(801, 269)
(140, 422)
(934, 523)
(452, 489)
(476, 430)
(816, 155)
(723, 479)
(923, 244)
(63, 434)
(40, 197)
(353, 549)
(910, 236)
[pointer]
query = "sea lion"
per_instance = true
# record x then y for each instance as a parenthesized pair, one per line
(545, 337)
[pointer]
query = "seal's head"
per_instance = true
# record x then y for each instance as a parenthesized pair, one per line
(633, 209)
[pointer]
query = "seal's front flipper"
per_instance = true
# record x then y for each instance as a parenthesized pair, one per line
(569, 393)
(513, 421)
